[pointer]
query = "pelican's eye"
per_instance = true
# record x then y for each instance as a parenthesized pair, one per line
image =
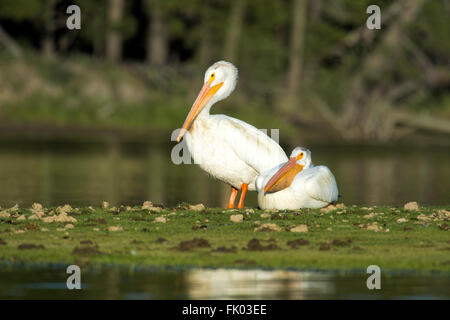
(212, 76)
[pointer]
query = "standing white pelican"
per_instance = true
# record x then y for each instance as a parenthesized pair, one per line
(297, 184)
(228, 149)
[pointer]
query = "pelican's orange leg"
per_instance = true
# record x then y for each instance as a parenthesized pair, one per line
(233, 196)
(244, 189)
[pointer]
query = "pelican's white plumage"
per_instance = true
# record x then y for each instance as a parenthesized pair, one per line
(227, 148)
(312, 187)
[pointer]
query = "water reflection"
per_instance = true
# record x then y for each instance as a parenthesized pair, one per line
(258, 284)
(130, 173)
(121, 283)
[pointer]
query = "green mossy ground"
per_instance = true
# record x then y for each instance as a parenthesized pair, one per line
(347, 238)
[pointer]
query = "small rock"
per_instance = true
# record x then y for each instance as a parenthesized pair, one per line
(328, 208)
(21, 217)
(402, 220)
(161, 219)
(197, 207)
(265, 215)
(411, 206)
(236, 218)
(69, 226)
(423, 217)
(115, 228)
(148, 205)
(4, 214)
(105, 204)
(300, 228)
(64, 209)
(268, 227)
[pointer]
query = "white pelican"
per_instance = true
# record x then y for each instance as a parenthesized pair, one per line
(297, 184)
(228, 149)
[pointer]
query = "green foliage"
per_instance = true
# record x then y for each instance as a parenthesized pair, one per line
(196, 34)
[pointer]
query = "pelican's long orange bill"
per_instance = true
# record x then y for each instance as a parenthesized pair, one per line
(202, 99)
(283, 177)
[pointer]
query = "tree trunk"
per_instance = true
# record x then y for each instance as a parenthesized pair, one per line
(294, 75)
(113, 36)
(156, 35)
(234, 29)
(9, 44)
(47, 45)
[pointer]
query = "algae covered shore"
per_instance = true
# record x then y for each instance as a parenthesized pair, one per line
(339, 238)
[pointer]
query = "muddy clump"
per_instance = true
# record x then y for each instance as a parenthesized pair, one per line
(86, 251)
(294, 244)
(86, 242)
(341, 243)
(99, 221)
(193, 244)
(407, 229)
(255, 245)
(231, 249)
(325, 246)
(30, 246)
(199, 227)
(136, 242)
(161, 240)
(2, 242)
(245, 262)
(32, 226)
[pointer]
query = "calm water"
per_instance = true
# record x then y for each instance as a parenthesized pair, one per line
(217, 284)
(130, 173)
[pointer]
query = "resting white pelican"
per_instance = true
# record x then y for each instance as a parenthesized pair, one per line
(228, 149)
(297, 184)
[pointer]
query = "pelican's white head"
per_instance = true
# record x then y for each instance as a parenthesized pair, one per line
(300, 159)
(220, 81)
(302, 156)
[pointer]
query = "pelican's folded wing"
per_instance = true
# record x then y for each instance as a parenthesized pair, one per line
(321, 184)
(251, 145)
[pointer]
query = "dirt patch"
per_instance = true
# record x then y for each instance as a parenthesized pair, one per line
(267, 227)
(279, 216)
(325, 246)
(140, 219)
(294, 244)
(161, 240)
(245, 262)
(86, 242)
(199, 227)
(407, 229)
(444, 227)
(2, 242)
(193, 244)
(136, 242)
(30, 246)
(341, 243)
(231, 249)
(255, 245)
(99, 220)
(32, 226)
(86, 251)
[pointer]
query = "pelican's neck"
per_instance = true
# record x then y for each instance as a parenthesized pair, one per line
(204, 114)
